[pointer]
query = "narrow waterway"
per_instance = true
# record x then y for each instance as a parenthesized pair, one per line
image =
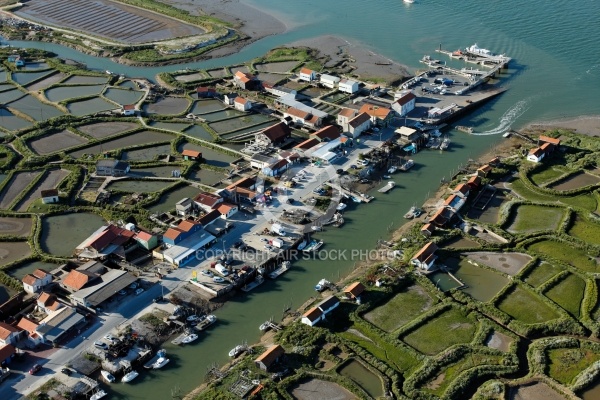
(555, 73)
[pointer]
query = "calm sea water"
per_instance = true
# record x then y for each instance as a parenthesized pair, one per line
(555, 73)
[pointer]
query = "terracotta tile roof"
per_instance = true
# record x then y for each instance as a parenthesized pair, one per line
(550, 140)
(6, 351)
(207, 199)
(27, 325)
(348, 112)
(240, 100)
(355, 289)
(172, 233)
(278, 164)
(406, 98)
(298, 113)
(546, 146)
(76, 280)
(474, 181)
(536, 152)
(428, 227)
(45, 298)
(359, 119)
(243, 77)
(425, 251)
(462, 188)
(375, 111)
(145, 236)
(313, 314)
(6, 330)
(29, 280)
(329, 132)
(307, 144)
(225, 208)
(306, 71)
(270, 355)
(486, 168)
(277, 132)
(450, 199)
(191, 153)
(186, 226)
(40, 273)
(129, 107)
(204, 89)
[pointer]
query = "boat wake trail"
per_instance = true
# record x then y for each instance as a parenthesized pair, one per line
(507, 118)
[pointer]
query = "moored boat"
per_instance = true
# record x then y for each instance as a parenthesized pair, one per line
(160, 353)
(131, 375)
(322, 285)
(407, 165)
(206, 322)
(318, 245)
(98, 395)
(341, 206)
(285, 266)
(161, 362)
(392, 169)
(108, 377)
(236, 351)
(265, 326)
(302, 245)
(189, 338)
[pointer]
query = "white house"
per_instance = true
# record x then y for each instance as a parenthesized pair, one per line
(312, 316)
(207, 201)
(328, 305)
(536, 155)
(227, 210)
(329, 81)
(48, 303)
(36, 281)
(229, 98)
(8, 334)
(405, 104)
(307, 75)
(359, 124)
(49, 196)
(345, 116)
(425, 258)
(348, 86)
(301, 117)
(128, 109)
(242, 104)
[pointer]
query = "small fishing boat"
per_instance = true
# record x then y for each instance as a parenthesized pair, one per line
(192, 318)
(318, 245)
(407, 165)
(98, 395)
(161, 362)
(392, 169)
(302, 245)
(285, 266)
(322, 285)
(265, 326)
(206, 322)
(341, 206)
(189, 338)
(159, 354)
(236, 351)
(131, 375)
(108, 377)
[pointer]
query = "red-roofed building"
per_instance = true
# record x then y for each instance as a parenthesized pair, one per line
(454, 202)
(29, 327)
(48, 303)
(7, 352)
(191, 155)
(242, 104)
(312, 316)
(379, 115)
(428, 229)
(536, 155)
(36, 281)
(273, 136)
(405, 104)
(484, 171)
(474, 182)
(443, 217)
(269, 357)
(547, 139)
(344, 117)
(8, 334)
(204, 92)
(173, 236)
(354, 290)
(227, 210)
(301, 117)
(147, 240)
(189, 227)
(326, 134)
(462, 190)
(306, 145)
(245, 81)
(108, 240)
(425, 258)
(77, 280)
(208, 201)
(307, 75)
(128, 109)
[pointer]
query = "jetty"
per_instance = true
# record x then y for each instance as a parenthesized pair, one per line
(389, 186)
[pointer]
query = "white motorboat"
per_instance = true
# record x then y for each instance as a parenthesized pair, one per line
(236, 351)
(206, 322)
(341, 206)
(192, 318)
(107, 376)
(161, 362)
(265, 326)
(159, 354)
(409, 1)
(189, 338)
(318, 245)
(98, 395)
(392, 169)
(322, 285)
(131, 375)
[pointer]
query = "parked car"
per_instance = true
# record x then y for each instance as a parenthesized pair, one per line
(353, 166)
(158, 299)
(139, 291)
(265, 240)
(122, 292)
(110, 338)
(218, 279)
(134, 285)
(35, 368)
(101, 345)
(66, 371)
(364, 162)
(208, 273)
